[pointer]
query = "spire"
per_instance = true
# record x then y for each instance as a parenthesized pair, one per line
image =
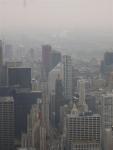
(74, 110)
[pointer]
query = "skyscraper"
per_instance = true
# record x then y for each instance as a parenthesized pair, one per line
(19, 77)
(106, 113)
(8, 52)
(7, 127)
(58, 100)
(55, 58)
(81, 90)
(46, 58)
(1, 59)
(83, 130)
(1, 53)
(67, 64)
(108, 142)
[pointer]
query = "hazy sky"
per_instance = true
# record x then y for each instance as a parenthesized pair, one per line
(56, 14)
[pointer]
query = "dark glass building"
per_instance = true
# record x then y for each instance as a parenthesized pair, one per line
(19, 77)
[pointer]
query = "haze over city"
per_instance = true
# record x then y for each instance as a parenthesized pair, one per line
(77, 20)
(56, 74)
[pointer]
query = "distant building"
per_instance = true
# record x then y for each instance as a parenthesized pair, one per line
(46, 58)
(1, 53)
(59, 100)
(1, 58)
(53, 75)
(7, 123)
(55, 58)
(107, 64)
(19, 77)
(8, 52)
(67, 64)
(108, 58)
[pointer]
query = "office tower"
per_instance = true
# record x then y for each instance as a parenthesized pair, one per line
(8, 52)
(67, 64)
(83, 130)
(23, 101)
(108, 58)
(1, 58)
(59, 100)
(7, 126)
(1, 53)
(45, 112)
(20, 52)
(46, 58)
(53, 75)
(108, 141)
(81, 90)
(19, 77)
(107, 64)
(106, 112)
(55, 58)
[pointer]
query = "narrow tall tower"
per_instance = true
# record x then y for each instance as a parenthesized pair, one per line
(1, 59)
(81, 89)
(1, 53)
(67, 64)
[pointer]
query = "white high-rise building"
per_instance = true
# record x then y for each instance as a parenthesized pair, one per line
(83, 130)
(81, 90)
(107, 110)
(67, 64)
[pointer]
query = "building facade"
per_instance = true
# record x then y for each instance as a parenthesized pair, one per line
(67, 63)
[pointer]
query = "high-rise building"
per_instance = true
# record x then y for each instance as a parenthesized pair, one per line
(106, 113)
(59, 99)
(53, 75)
(67, 62)
(46, 58)
(83, 130)
(1, 59)
(1, 53)
(107, 64)
(81, 90)
(8, 52)
(55, 58)
(108, 58)
(7, 125)
(23, 104)
(108, 141)
(19, 77)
